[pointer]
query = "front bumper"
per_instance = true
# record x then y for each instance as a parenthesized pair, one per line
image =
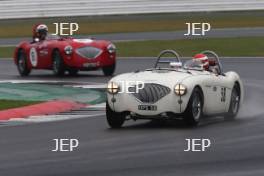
(125, 102)
(76, 61)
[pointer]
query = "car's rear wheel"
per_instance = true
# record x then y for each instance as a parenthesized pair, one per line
(193, 112)
(114, 119)
(58, 64)
(109, 70)
(22, 63)
(234, 103)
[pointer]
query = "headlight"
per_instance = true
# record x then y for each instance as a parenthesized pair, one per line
(111, 48)
(112, 88)
(68, 50)
(180, 89)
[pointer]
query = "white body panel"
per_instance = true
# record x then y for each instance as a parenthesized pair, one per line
(216, 90)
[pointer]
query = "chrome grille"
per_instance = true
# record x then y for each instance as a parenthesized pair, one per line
(89, 52)
(151, 92)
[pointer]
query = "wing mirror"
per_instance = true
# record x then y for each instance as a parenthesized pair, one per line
(175, 64)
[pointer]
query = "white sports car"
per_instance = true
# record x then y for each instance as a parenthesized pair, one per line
(176, 91)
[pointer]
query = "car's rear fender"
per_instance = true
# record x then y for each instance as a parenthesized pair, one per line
(235, 78)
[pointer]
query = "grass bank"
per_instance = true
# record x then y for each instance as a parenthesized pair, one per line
(246, 46)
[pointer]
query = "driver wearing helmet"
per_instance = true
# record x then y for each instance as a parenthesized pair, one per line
(208, 65)
(203, 59)
(40, 32)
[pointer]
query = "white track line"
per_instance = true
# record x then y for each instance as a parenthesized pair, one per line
(99, 86)
(46, 81)
(99, 106)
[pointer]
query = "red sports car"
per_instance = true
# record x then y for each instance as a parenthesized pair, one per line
(66, 54)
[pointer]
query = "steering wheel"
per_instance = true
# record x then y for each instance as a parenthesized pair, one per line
(211, 53)
(172, 52)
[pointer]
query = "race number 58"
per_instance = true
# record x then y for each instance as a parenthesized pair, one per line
(223, 94)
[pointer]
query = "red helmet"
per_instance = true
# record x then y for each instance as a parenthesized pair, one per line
(204, 60)
(39, 30)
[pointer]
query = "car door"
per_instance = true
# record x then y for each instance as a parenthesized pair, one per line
(33, 55)
(222, 92)
(43, 54)
(211, 94)
(39, 55)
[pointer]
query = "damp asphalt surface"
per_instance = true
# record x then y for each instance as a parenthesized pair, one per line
(141, 147)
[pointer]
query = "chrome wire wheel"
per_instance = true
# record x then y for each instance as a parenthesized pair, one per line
(56, 64)
(21, 63)
(235, 101)
(196, 107)
(194, 111)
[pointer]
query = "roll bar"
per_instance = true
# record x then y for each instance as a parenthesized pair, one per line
(177, 57)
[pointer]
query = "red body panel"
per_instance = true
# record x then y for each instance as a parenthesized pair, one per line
(44, 51)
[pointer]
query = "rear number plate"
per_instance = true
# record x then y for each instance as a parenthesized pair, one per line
(147, 107)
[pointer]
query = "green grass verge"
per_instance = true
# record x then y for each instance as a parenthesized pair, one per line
(6, 52)
(246, 46)
(136, 23)
(8, 104)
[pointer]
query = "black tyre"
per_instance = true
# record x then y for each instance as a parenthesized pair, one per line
(114, 119)
(22, 65)
(58, 64)
(193, 112)
(73, 72)
(109, 70)
(234, 103)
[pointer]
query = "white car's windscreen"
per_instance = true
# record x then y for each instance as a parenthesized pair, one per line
(193, 64)
(52, 37)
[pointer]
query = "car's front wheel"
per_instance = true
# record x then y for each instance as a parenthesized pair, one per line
(58, 64)
(22, 64)
(114, 119)
(234, 103)
(109, 70)
(193, 112)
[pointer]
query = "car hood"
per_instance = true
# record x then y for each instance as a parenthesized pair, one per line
(164, 77)
(77, 43)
